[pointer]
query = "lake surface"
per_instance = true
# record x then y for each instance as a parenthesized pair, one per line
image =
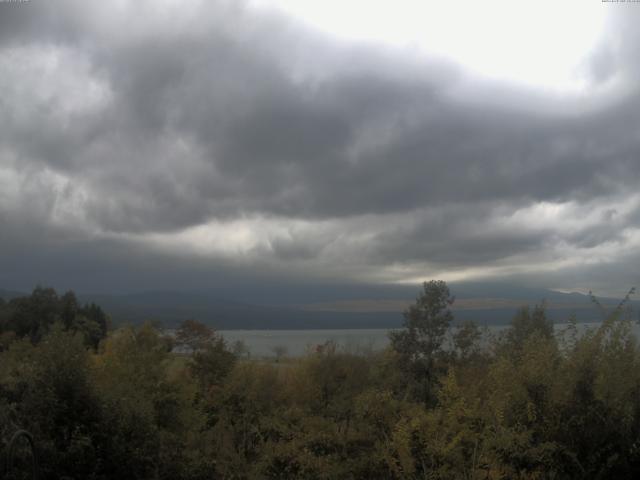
(261, 343)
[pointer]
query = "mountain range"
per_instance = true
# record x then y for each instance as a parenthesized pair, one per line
(351, 306)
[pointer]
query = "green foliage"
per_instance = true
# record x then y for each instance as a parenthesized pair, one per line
(425, 323)
(418, 346)
(241, 417)
(49, 387)
(526, 323)
(466, 340)
(212, 363)
(193, 335)
(146, 412)
(210, 360)
(33, 317)
(530, 405)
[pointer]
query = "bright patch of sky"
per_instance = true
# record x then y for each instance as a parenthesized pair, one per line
(542, 43)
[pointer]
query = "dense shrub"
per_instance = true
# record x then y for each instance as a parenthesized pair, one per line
(527, 404)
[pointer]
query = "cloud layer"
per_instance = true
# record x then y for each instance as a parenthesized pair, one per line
(145, 143)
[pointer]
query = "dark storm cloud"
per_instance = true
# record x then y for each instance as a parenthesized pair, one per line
(147, 119)
(458, 240)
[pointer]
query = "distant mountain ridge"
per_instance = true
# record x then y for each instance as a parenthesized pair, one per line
(370, 307)
(9, 294)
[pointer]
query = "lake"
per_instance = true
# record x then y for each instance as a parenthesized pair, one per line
(298, 342)
(261, 343)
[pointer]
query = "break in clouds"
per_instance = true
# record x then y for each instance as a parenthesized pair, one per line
(146, 146)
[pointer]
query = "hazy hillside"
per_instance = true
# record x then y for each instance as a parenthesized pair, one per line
(351, 307)
(369, 307)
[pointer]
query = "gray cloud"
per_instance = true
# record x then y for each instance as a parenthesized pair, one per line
(121, 123)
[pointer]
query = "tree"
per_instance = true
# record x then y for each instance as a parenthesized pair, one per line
(68, 309)
(279, 351)
(466, 339)
(426, 322)
(193, 335)
(241, 416)
(419, 344)
(51, 388)
(93, 323)
(526, 323)
(211, 363)
(146, 412)
(34, 315)
(240, 349)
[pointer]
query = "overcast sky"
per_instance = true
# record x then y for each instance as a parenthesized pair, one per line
(160, 144)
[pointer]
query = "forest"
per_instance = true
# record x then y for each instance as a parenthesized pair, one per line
(445, 400)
